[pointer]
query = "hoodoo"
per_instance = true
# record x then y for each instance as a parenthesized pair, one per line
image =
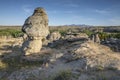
(36, 28)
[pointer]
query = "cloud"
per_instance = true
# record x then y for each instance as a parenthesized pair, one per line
(102, 11)
(68, 12)
(58, 11)
(27, 9)
(73, 5)
(53, 11)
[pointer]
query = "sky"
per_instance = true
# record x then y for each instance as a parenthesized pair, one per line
(62, 12)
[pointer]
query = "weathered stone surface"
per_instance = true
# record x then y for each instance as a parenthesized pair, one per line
(36, 29)
(32, 46)
(90, 60)
(114, 44)
(95, 38)
(37, 24)
(54, 36)
(96, 55)
(76, 37)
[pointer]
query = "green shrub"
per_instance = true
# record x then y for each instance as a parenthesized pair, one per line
(11, 32)
(88, 32)
(63, 32)
(104, 36)
(115, 35)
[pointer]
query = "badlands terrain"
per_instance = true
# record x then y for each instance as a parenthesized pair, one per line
(68, 53)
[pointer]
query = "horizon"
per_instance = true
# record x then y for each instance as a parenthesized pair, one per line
(64, 12)
(69, 25)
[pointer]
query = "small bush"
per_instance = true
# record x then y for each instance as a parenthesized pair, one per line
(88, 32)
(104, 36)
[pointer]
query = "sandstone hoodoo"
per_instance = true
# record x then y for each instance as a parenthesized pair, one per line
(36, 28)
(95, 38)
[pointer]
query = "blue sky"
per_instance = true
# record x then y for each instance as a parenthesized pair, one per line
(62, 12)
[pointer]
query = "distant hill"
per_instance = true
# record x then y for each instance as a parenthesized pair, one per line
(79, 25)
(10, 27)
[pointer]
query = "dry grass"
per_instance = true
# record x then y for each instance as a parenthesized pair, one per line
(10, 27)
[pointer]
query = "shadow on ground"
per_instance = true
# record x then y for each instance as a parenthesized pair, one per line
(11, 60)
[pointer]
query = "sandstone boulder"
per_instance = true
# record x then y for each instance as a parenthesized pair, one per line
(36, 29)
(95, 38)
(54, 36)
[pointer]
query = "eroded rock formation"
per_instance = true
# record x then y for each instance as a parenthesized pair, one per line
(95, 38)
(36, 29)
(54, 36)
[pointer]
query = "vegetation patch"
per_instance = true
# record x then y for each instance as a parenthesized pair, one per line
(11, 32)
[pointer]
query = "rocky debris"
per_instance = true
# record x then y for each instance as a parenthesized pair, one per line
(17, 42)
(54, 36)
(57, 43)
(36, 29)
(88, 56)
(114, 44)
(26, 74)
(112, 29)
(76, 37)
(96, 55)
(25, 37)
(86, 60)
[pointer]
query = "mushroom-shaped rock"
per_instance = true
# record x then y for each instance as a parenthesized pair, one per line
(36, 28)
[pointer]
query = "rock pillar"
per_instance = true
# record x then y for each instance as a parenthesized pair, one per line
(36, 28)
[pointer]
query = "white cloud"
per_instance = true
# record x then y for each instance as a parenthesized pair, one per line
(102, 11)
(69, 12)
(53, 12)
(73, 5)
(57, 11)
(27, 9)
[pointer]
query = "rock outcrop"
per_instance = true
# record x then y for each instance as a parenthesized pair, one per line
(95, 38)
(54, 36)
(86, 60)
(36, 29)
(114, 44)
(76, 36)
